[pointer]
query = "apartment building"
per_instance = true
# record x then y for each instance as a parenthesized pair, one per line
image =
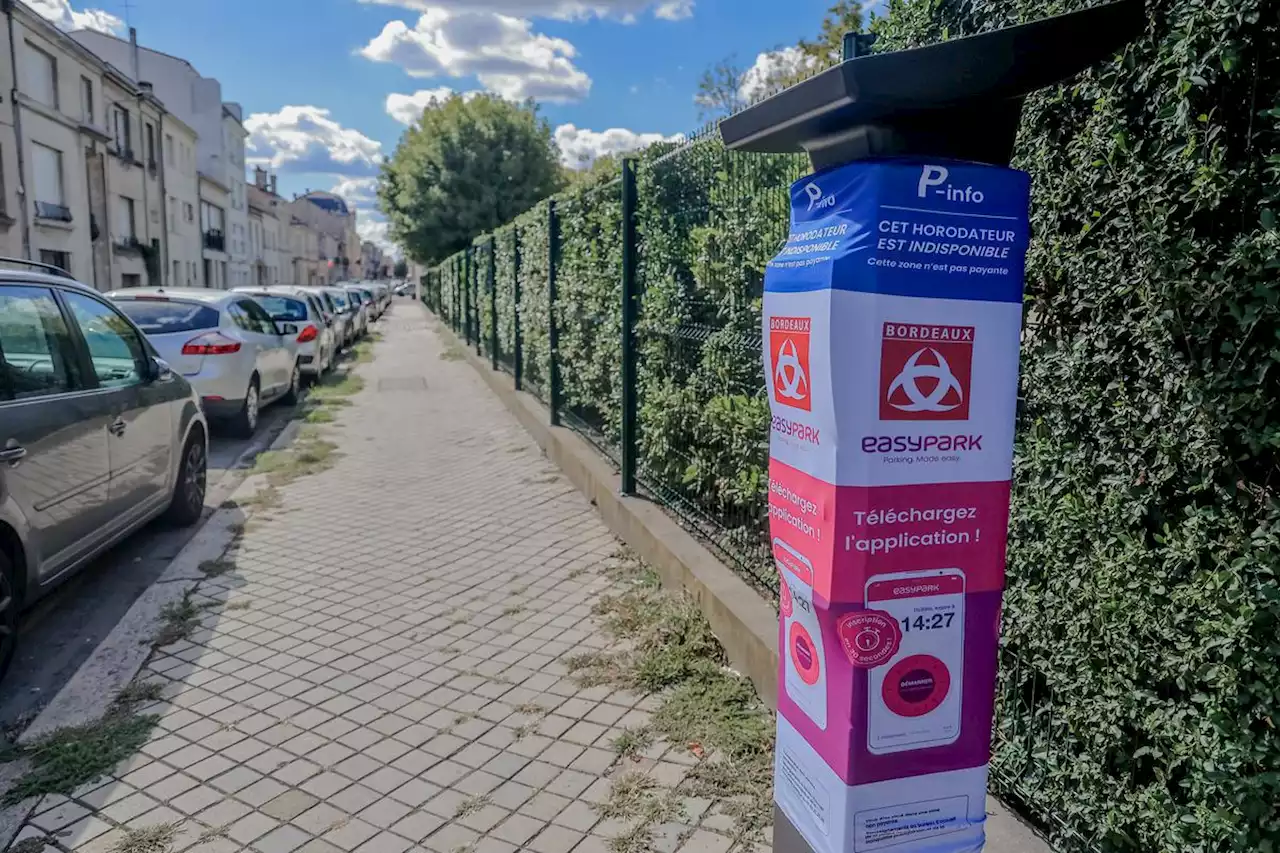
(269, 255)
(214, 260)
(185, 256)
(220, 136)
(332, 217)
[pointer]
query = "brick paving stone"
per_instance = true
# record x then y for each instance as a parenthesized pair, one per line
(362, 698)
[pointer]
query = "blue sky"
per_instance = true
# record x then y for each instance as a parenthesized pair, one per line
(631, 65)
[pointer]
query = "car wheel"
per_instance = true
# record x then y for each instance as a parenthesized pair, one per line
(292, 396)
(9, 606)
(245, 423)
(188, 494)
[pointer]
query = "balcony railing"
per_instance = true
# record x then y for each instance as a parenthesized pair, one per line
(215, 241)
(126, 245)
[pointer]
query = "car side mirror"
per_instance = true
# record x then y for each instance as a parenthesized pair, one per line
(161, 371)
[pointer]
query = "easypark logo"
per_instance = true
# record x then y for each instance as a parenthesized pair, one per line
(789, 361)
(925, 372)
(796, 431)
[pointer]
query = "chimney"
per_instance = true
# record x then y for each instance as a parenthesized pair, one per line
(133, 42)
(260, 177)
(273, 185)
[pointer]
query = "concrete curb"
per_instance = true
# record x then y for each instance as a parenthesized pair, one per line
(742, 620)
(121, 655)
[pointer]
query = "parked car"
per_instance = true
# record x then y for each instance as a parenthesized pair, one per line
(337, 301)
(358, 307)
(383, 292)
(225, 344)
(98, 436)
(374, 304)
(317, 349)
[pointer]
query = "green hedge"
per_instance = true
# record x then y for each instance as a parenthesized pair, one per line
(1141, 686)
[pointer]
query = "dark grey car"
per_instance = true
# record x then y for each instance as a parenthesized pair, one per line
(97, 436)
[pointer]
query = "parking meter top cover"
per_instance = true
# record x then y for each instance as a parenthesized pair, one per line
(960, 98)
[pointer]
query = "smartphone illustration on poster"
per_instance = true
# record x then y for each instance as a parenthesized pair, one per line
(804, 664)
(914, 698)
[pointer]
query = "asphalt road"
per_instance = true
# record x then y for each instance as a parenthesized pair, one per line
(60, 632)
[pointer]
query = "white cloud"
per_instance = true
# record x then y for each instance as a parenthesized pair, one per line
(360, 192)
(502, 52)
(625, 10)
(407, 109)
(579, 147)
(60, 13)
(306, 139)
(374, 228)
(772, 67)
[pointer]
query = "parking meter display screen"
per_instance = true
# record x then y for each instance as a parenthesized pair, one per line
(891, 328)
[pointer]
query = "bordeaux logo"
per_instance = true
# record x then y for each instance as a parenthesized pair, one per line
(789, 361)
(925, 372)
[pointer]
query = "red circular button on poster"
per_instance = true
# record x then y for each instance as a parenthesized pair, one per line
(868, 637)
(916, 685)
(803, 654)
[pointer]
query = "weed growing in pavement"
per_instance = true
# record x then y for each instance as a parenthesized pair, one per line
(319, 416)
(452, 352)
(471, 805)
(576, 573)
(266, 498)
(217, 568)
(138, 693)
(310, 454)
(30, 845)
(363, 352)
(672, 652)
(243, 604)
(178, 620)
(148, 839)
(335, 386)
(512, 610)
(532, 709)
(632, 742)
(67, 758)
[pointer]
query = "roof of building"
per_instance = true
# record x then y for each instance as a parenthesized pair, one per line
(328, 201)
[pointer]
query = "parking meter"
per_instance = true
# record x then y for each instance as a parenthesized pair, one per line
(891, 329)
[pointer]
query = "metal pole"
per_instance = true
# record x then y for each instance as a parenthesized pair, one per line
(629, 300)
(493, 302)
(478, 336)
(466, 295)
(553, 330)
(517, 341)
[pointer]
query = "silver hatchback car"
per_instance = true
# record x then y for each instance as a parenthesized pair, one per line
(225, 344)
(98, 436)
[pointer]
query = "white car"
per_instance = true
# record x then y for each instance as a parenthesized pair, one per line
(317, 342)
(224, 343)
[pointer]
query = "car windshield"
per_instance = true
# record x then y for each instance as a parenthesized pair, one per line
(355, 297)
(162, 318)
(340, 300)
(284, 309)
(367, 295)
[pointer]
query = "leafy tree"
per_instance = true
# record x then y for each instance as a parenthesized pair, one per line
(466, 167)
(720, 89)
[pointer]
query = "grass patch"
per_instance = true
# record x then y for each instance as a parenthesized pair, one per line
(672, 652)
(452, 353)
(632, 742)
(217, 568)
(319, 416)
(335, 386)
(67, 758)
(576, 573)
(178, 620)
(512, 610)
(239, 605)
(148, 839)
(310, 454)
(363, 352)
(266, 498)
(30, 845)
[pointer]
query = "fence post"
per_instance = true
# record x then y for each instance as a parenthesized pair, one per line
(629, 300)
(517, 343)
(493, 302)
(475, 302)
(553, 331)
(466, 295)
(455, 309)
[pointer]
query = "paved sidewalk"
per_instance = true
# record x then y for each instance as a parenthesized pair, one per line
(383, 669)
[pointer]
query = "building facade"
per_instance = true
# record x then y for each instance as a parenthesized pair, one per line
(184, 258)
(219, 161)
(214, 259)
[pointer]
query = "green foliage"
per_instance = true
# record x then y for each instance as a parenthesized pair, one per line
(465, 167)
(1141, 688)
